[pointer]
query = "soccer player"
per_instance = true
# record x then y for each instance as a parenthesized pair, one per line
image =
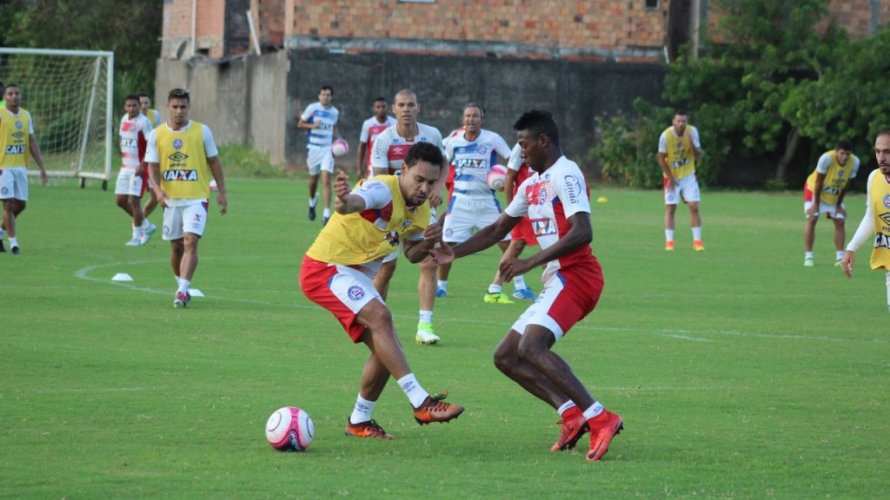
(371, 128)
(824, 192)
(876, 220)
(182, 157)
(155, 119)
(370, 222)
(555, 199)
(679, 149)
(17, 147)
(472, 204)
(134, 130)
(321, 120)
(387, 156)
(521, 235)
(2, 92)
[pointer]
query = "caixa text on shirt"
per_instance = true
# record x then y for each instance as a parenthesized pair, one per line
(180, 175)
(882, 241)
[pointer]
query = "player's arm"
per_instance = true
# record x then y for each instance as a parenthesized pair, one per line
(509, 180)
(486, 237)
(346, 201)
(304, 124)
(154, 173)
(665, 169)
(379, 158)
(813, 211)
(418, 249)
(217, 171)
(362, 156)
(38, 158)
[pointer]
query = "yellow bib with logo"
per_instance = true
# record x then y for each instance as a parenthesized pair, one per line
(835, 179)
(680, 153)
(185, 173)
(14, 139)
(880, 205)
(363, 237)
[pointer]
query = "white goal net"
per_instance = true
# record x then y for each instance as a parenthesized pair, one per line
(69, 94)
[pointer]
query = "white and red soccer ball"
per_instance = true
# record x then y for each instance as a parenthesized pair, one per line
(340, 147)
(496, 177)
(290, 429)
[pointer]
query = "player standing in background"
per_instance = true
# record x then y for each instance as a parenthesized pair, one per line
(472, 204)
(387, 156)
(555, 199)
(679, 149)
(371, 222)
(134, 131)
(154, 118)
(2, 92)
(371, 128)
(17, 147)
(321, 120)
(522, 234)
(876, 220)
(181, 157)
(824, 192)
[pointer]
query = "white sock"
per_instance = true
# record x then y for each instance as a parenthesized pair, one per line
(519, 282)
(326, 213)
(412, 389)
(137, 232)
(668, 235)
(362, 411)
(594, 410)
(565, 406)
(184, 285)
(442, 284)
(13, 241)
(838, 255)
(313, 201)
(808, 255)
(426, 316)
(696, 233)
(492, 288)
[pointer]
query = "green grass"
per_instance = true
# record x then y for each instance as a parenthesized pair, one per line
(738, 372)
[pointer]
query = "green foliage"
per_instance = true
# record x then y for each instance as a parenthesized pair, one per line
(627, 148)
(129, 28)
(246, 161)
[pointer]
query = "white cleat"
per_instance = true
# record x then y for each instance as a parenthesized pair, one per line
(148, 232)
(135, 242)
(425, 334)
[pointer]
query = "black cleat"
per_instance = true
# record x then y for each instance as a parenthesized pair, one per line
(311, 213)
(2, 248)
(14, 250)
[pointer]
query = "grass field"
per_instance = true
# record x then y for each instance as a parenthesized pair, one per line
(738, 372)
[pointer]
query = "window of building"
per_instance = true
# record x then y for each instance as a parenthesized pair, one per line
(651, 4)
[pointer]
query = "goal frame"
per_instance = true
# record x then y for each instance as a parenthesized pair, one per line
(109, 110)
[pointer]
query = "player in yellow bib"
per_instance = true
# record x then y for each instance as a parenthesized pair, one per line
(182, 157)
(154, 118)
(18, 147)
(876, 220)
(824, 193)
(679, 148)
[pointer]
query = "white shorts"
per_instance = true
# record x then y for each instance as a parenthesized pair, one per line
(128, 183)
(686, 187)
(824, 208)
(318, 159)
(14, 183)
(190, 218)
(466, 214)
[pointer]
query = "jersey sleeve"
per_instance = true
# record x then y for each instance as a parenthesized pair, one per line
(866, 226)
(209, 144)
(151, 150)
(363, 137)
(824, 163)
(501, 147)
(515, 159)
(379, 157)
(856, 164)
(375, 193)
(519, 206)
(30, 123)
(693, 134)
(663, 143)
(570, 189)
(307, 113)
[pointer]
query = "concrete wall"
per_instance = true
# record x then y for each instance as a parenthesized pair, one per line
(575, 92)
(241, 99)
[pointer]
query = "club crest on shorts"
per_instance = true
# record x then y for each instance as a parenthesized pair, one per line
(356, 292)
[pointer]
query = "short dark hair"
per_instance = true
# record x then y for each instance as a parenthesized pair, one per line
(844, 144)
(179, 94)
(885, 131)
(131, 97)
(142, 94)
(424, 151)
(680, 111)
(538, 122)
(380, 98)
(326, 87)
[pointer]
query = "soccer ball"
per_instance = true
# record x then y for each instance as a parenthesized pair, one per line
(340, 147)
(290, 429)
(496, 177)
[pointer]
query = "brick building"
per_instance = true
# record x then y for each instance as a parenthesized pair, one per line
(508, 54)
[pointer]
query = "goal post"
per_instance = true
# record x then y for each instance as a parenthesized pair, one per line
(69, 94)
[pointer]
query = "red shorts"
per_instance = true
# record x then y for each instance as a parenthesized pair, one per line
(523, 231)
(342, 290)
(568, 296)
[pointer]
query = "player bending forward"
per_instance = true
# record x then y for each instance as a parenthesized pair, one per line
(555, 199)
(338, 269)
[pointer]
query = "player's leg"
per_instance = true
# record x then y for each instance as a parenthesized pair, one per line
(426, 294)
(809, 234)
(454, 230)
(839, 235)
(690, 192)
(671, 198)
(152, 202)
(507, 360)
(122, 199)
(496, 293)
(384, 275)
(327, 175)
(442, 283)
(521, 235)
(123, 202)
(313, 164)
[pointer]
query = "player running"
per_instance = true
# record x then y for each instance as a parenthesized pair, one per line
(370, 223)
(555, 200)
(321, 119)
(134, 131)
